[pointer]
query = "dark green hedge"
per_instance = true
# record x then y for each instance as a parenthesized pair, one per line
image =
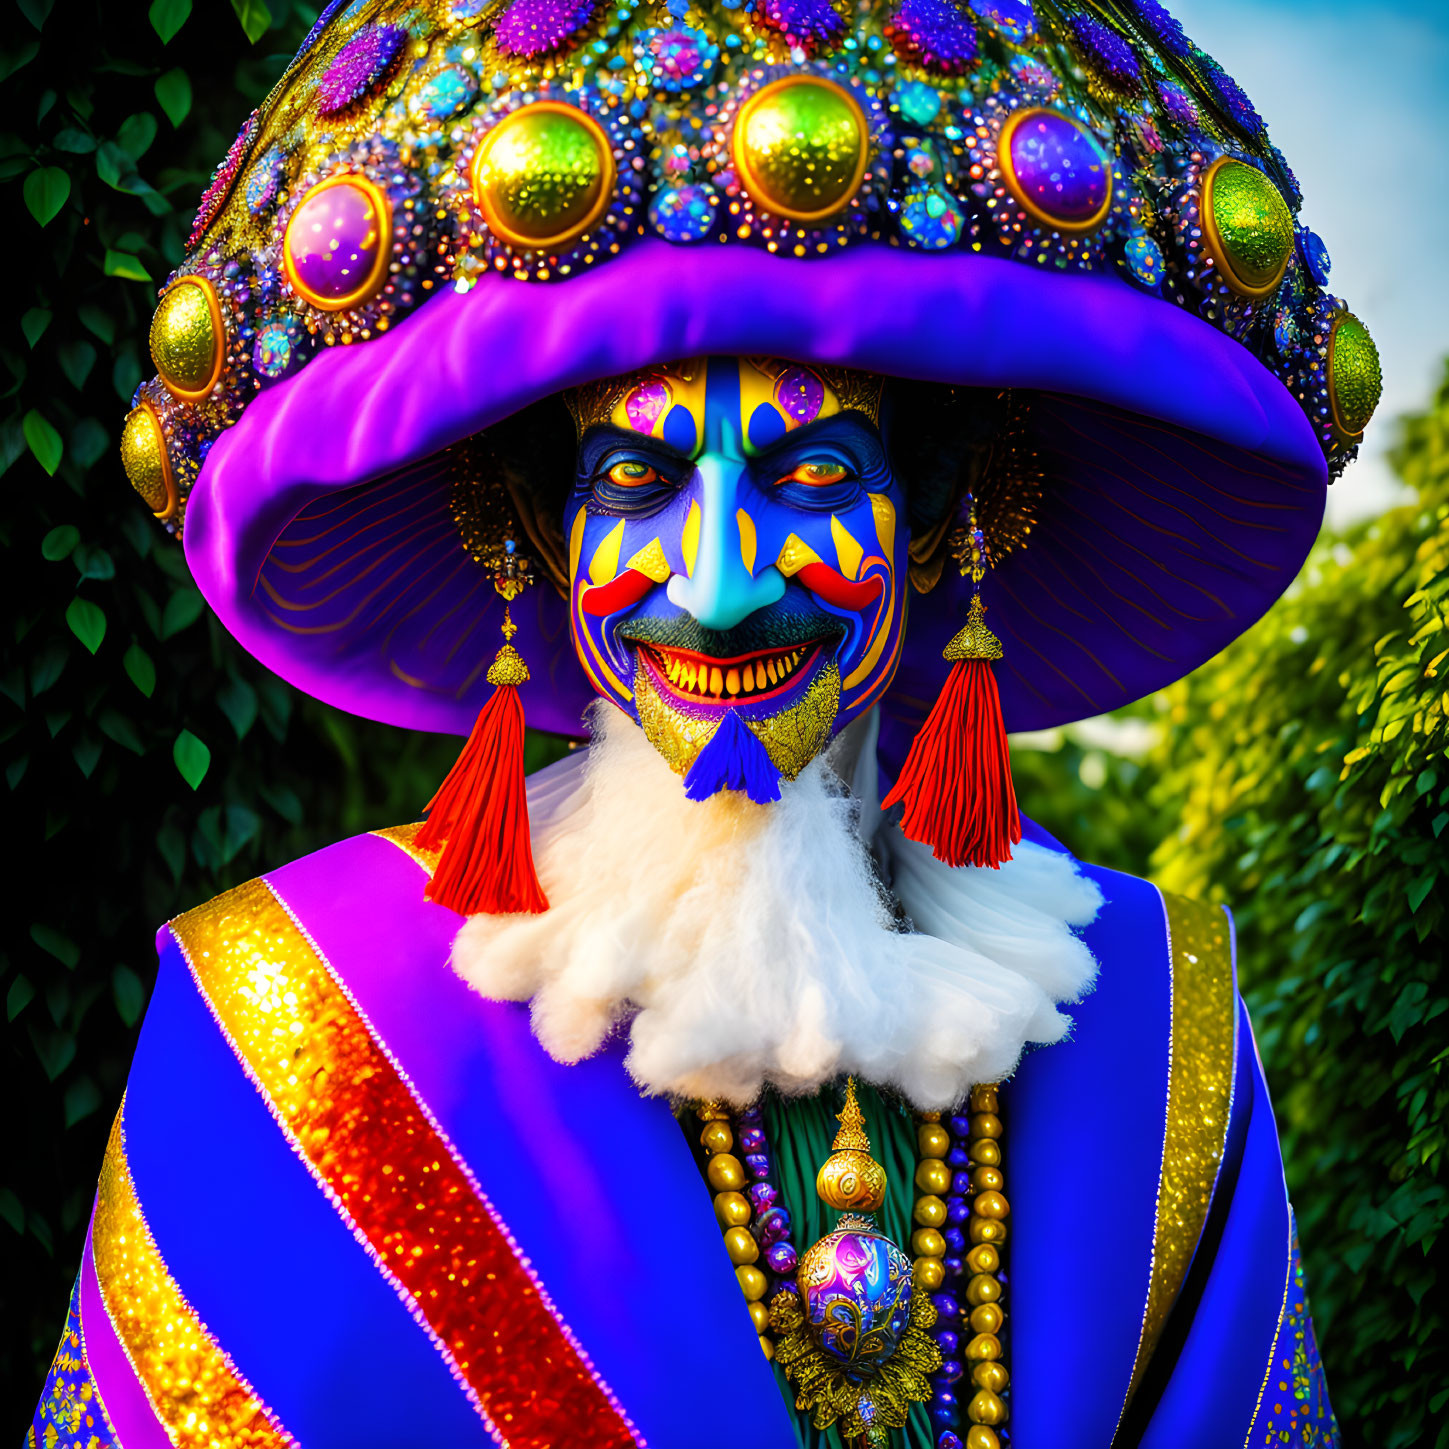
(148, 763)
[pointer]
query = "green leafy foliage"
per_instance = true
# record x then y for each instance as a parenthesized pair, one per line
(106, 652)
(1301, 778)
(1306, 768)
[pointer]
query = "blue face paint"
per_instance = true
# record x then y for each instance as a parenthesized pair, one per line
(755, 576)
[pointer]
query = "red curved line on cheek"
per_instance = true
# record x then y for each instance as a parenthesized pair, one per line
(835, 588)
(619, 593)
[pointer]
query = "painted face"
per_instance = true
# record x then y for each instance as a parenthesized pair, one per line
(736, 561)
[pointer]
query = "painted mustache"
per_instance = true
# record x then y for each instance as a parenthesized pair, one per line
(791, 623)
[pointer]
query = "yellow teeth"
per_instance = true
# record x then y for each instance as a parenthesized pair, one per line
(711, 682)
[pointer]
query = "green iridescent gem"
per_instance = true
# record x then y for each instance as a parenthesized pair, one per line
(1355, 380)
(800, 146)
(1247, 227)
(544, 176)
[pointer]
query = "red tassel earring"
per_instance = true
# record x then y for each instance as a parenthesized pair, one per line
(956, 783)
(479, 817)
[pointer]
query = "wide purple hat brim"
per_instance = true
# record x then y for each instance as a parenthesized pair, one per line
(1184, 484)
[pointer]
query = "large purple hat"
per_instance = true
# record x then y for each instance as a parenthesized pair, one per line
(1068, 214)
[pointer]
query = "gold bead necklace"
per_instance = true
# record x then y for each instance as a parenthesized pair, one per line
(974, 1301)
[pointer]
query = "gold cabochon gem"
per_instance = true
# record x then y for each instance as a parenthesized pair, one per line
(800, 146)
(544, 176)
(186, 339)
(147, 462)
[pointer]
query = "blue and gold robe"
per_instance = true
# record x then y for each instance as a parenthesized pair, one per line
(350, 1204)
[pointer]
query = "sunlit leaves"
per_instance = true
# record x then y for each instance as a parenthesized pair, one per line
(1305, 766)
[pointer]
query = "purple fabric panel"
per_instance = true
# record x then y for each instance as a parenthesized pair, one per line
(462, 362)
(595, 1183)
(1211, 1398)
(127, 1406)
(1085, 1123)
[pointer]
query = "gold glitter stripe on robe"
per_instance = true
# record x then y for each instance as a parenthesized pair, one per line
(192, 1384)
(1199, 1100)
(405, 838)
(376, 1151)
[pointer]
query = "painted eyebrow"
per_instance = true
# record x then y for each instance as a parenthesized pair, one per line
(837, 429)
(604, 436)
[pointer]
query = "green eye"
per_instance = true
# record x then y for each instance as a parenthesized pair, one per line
(632, 474)
(817, 475)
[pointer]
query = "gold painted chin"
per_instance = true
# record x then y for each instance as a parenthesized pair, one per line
(792, 737)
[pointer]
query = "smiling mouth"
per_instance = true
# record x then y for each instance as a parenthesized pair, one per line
(706, 679)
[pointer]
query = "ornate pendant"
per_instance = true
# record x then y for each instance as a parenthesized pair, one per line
(852, 1335)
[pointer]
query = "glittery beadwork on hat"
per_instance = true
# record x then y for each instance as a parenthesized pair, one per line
(1066, 200)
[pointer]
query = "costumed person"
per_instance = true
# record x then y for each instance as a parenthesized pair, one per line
(807, 394)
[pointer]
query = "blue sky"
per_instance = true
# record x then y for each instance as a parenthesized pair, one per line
(1357, 97)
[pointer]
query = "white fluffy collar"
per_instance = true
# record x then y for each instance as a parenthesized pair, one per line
(749, 944)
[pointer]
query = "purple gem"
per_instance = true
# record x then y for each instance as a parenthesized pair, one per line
(1060, 167)
(358, 67)
(772, 1225)
(536, 27)
(751, 1117)
(933, 33)
(800, 394)
(781, 1258)
(942, 1417)
(946, 1341)
(645, 405)
(960, 1126)
(952, 1267)
(333, 239)
(955, 1240)
(961, 1184)
(958, 1158)
(762, 1195)
(950, 1371)
(957, 1210)
(946, 1306)
(758, 1165)
(948, 1440)
(752, 1139)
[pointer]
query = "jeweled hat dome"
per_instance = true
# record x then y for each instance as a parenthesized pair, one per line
(1067, 214)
